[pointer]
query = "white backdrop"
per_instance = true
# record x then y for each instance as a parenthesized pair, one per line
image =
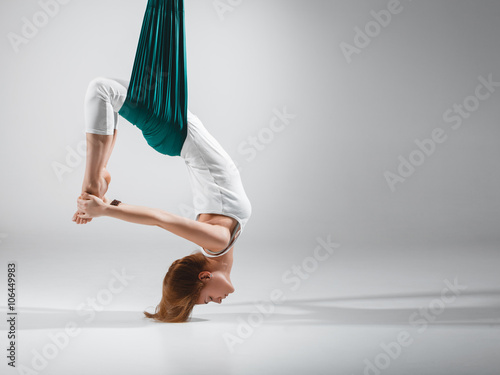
(355, 105)
(324, 169)
(372, 125)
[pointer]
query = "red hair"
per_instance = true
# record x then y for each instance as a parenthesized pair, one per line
(181, 289)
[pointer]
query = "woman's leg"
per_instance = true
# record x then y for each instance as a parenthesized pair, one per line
(96, 178)
(103, 100)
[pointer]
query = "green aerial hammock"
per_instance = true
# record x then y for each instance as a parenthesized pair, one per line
(157, 94)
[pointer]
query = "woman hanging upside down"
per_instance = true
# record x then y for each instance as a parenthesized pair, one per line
(157, 104)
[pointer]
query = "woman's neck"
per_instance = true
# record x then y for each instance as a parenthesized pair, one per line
(223, 263)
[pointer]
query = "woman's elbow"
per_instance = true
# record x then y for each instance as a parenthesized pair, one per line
(222, 240)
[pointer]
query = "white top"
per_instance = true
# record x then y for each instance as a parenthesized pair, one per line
(215, 180)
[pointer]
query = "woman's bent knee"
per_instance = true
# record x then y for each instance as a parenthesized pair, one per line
(108, 90)
(98, 88)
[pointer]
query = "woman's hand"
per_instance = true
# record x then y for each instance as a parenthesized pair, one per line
(90, 206)
(79, 220)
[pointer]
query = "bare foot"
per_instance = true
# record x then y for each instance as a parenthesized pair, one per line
(98, 188)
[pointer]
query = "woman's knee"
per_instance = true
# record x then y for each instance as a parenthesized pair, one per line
(98, 88)
(111, 91)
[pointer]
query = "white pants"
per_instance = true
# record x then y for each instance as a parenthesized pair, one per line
(103, 100)
(215, 179)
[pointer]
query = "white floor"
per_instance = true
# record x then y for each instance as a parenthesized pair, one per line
(361, 311)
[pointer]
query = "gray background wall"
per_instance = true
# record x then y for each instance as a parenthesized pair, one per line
(322, 175)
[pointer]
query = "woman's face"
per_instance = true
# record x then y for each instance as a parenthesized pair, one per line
(217, 287)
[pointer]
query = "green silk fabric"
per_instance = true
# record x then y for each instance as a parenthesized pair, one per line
(157, 97)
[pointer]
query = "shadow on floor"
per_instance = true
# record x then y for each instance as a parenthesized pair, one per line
(417, 309)
(471, 308)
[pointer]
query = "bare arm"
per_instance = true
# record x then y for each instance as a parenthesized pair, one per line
(209, 236)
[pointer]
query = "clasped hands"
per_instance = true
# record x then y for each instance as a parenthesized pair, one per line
(89, 206)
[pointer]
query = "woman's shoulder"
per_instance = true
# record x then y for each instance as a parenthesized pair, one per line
(218, 219)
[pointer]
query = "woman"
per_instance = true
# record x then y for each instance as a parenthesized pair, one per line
(155, 100)
(222, 208)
